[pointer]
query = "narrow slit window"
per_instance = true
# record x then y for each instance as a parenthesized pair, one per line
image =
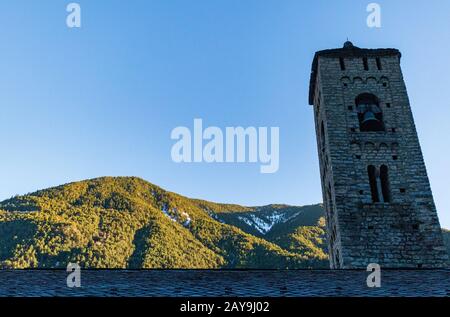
(330, 202)
(372, 171)
(379, 63)
(337, 257)
(366, 63)
(385, 183)
(322, 136)
(342, 63)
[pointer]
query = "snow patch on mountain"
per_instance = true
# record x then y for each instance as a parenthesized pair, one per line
(261, 225)
(173, 214)
(213, 215)
(265, 222)
(166, 211)
(187, 219)
(246, 220)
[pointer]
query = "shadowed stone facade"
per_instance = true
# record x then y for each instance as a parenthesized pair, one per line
(376, 191)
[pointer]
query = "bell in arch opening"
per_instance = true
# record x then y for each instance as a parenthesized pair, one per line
(369, 113)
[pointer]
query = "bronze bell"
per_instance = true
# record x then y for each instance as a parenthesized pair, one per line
(370, 122)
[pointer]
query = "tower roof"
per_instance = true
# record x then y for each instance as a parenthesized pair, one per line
(348, 50)
(348, 45)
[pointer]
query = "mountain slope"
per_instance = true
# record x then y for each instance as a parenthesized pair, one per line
(300, 230)
(271, 219)
(127, 222)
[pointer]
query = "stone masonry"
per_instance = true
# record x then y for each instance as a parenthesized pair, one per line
(376, 192)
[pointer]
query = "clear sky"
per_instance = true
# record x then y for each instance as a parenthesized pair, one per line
(103, 99)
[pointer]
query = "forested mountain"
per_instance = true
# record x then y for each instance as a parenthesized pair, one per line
(126, 222)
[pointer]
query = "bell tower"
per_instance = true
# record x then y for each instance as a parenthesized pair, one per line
(376, 192)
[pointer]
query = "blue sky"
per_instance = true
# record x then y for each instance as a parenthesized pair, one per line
(103, 99)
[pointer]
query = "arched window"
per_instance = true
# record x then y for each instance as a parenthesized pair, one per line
(372, 171)
(385, 183)
(379, 184)
(369, 113)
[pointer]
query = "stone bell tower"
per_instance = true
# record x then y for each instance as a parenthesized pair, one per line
(378, 201)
